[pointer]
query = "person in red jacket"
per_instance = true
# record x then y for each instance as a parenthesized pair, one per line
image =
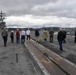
(17, 36)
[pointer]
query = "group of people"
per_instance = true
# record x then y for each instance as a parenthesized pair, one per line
(18, 34)
(45, 35)
(60, 36)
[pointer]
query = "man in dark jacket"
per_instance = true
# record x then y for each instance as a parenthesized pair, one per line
(60, 38)
(37, 35)
(75, 37)
(4, 36)
(12, 36)
(64, 36)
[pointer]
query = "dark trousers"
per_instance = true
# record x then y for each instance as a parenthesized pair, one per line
(12, 39)
(22, 38)
(75, 39)
(5, 40)
(60, 44)
(51, 39)
(28, 37)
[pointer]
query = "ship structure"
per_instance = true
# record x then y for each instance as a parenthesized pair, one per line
(2, 17)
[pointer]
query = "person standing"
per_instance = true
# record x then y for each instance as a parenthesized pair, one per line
(37, 35)
(64, 36)
(45, 35)
(28, 34)
(17, 36)
(22, 36)
(4, 36)
(51, 32)
(12, 36)
(75, 37)
(60, 38)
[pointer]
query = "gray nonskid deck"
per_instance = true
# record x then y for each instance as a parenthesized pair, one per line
(8, 63)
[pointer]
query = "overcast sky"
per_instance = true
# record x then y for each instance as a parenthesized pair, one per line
(39, 12)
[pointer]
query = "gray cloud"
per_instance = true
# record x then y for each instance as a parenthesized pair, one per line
(59, 8)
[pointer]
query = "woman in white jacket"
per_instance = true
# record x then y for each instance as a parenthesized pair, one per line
(23, 36)
(28, 34)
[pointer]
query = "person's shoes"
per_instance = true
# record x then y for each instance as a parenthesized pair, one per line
(4, 45)
(61, 49)
(64, 42)
(37, 41)
(51, 41)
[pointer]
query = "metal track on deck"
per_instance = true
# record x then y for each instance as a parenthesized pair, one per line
(50, 59)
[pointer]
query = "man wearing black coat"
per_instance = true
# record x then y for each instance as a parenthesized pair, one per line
(37, 35)
(75, 37)
(60, 38)
(64, 36)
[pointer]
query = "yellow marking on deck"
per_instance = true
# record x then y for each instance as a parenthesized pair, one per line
(45, 61)
(57, 59)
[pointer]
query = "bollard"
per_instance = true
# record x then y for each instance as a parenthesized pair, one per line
(16, 57)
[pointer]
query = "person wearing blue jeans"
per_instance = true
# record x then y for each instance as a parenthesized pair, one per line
(60, 44)
(60, 38)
